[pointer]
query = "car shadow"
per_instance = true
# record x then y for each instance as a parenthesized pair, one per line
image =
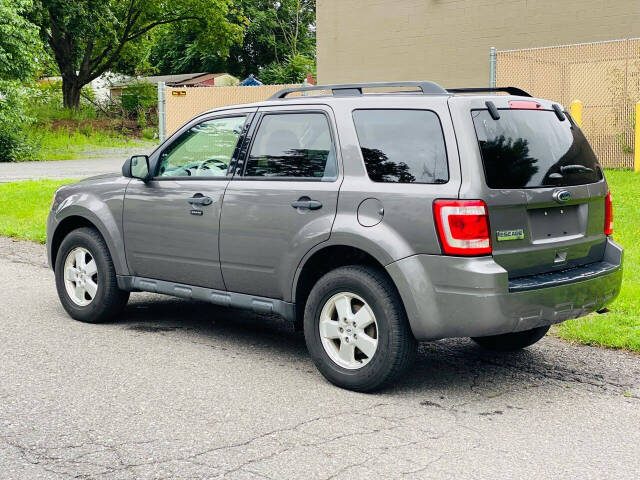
(441, 366)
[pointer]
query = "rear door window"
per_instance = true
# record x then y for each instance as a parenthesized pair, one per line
(533, 148)
(402, 146)
(293, 145)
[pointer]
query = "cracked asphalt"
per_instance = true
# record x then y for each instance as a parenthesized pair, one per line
(187, 390)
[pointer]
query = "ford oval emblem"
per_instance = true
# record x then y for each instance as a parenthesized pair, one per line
(562, 196)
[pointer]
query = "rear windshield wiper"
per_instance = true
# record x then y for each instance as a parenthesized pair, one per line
(575, 168)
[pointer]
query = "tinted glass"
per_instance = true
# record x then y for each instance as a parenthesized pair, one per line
(293, 145)
(533, 148)
(204, 150)
(402, 146)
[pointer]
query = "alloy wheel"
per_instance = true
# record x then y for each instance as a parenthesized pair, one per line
(81, 276)
(348, 330)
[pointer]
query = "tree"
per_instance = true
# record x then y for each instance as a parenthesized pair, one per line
(19, 54)
(19, 45)
(275, 31)
(89, 37)
(293, 69)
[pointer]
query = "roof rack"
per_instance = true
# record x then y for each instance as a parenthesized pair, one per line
(350, 89)
(510, 90)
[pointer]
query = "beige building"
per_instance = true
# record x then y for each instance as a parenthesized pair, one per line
(448, 41)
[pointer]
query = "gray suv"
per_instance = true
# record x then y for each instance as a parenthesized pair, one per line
(372, 216)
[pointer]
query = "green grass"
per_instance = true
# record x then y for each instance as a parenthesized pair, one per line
(620, 328)
(52, 110)
(24, 207)
(66, 144)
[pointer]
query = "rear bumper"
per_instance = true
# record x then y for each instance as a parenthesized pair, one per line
(473, 297)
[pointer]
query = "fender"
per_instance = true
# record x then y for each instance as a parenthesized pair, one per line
(369, 244)
(105, 215)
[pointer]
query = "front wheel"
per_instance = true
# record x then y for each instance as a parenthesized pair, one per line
(356, 329)
(508, 342)
(86, 278)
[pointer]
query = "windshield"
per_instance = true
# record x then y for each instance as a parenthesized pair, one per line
(533, 148)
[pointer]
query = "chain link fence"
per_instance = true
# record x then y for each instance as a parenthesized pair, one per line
(605, 76)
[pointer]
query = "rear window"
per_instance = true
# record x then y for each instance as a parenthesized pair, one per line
(533, 148)
(402, 146)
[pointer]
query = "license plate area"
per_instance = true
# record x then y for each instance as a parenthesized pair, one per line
(553, 223)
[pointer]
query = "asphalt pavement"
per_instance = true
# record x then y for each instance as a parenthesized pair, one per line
(187, 390)
(96, 163)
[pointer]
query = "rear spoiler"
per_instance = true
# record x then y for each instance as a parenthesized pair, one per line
(510, 90)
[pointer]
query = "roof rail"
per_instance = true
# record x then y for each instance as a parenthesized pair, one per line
(349, 89)
(510, 90)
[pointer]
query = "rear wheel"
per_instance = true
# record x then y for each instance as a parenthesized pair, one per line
(86, 278)
(356, 329)
(512, 341)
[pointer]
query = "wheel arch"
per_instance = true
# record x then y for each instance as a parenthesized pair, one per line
(79, 217)
(321, 260)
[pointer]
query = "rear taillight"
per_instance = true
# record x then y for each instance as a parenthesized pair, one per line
(463, 227)
(608, 215)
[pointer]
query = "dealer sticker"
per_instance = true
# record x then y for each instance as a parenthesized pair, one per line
(517, 234)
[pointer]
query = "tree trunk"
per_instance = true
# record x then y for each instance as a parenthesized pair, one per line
(71, 93)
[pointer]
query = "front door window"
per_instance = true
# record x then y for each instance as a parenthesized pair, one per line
(205, 150)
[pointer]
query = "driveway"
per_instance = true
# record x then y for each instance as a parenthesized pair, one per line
(187, 390)
(96, 163)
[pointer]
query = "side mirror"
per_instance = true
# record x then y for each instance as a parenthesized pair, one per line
(136, 166)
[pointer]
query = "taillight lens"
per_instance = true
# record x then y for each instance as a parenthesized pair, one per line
(608, 215)
(463, 227)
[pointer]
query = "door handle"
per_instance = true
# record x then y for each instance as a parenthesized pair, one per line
(307, 203)
(199, 199)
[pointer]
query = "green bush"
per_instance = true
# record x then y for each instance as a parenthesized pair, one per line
(142, 119)
(293, 70)
(148, 133)
(138, 96)
(15, 146)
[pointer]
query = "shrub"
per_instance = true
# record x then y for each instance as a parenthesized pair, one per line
(138, 96)
(142, 119)
(293, 70)
(149, 133)
(15, 146)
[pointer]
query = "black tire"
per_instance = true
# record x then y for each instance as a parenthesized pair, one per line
(109, 300)
(396, 348)
(509, 342)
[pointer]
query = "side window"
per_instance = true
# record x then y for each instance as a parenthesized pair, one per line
(402, 146)
(205, 150)
(293, 145)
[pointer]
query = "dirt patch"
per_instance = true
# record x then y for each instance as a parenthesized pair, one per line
(118, 126)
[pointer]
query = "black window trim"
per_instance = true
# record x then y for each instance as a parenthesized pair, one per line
(572, 125)
(197, 121)
(242, 162)
(444, 140)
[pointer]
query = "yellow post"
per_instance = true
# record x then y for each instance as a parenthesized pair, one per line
(576, 112)
(636, 145)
